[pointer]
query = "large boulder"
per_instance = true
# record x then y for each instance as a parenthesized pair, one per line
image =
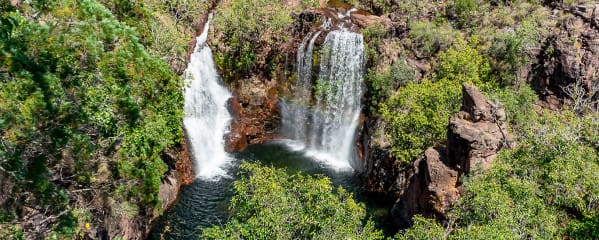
(474, 137)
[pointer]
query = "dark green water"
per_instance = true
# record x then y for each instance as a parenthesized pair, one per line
(204, 203)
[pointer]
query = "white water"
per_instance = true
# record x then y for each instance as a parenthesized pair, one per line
(326, 130)
(206, 117)
(295, 117)
(338, 95)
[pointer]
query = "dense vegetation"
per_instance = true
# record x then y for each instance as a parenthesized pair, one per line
(545, 186)
(544, 189)
(271, 204)
(90, 102)
(86, 107)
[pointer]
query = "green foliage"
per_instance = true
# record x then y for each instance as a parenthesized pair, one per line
(76, 85)
(383, 83)
(519, 104)
(422, 229)
(466, 10)
(429, 38)
(373, 37)
(544, 189)
(418, 115)
(462, 63)
(245, 28)
(509, 50)
(270, 204)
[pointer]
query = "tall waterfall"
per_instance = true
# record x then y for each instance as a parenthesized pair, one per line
(338, 95)
(326, 129)
(206, 117)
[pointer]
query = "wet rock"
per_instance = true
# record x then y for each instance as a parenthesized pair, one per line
(184, 166)
(255, 113)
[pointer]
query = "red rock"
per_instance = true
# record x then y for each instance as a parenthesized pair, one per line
(474, 137)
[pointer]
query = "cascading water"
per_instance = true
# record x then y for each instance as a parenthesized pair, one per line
(206, 117)
(295, 113)
(327, 129)
(338, 95)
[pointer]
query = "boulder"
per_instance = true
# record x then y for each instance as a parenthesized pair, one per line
(474, 137)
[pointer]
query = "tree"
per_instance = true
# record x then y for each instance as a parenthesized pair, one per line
(270, 204)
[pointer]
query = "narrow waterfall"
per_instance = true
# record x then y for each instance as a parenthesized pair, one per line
(206, 117)
(338, 95)
(325, 129)
(296, 112)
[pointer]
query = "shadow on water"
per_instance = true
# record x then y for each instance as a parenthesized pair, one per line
(204, 203)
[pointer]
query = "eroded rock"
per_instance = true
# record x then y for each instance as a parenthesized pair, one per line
(474, 137)
(569, 59)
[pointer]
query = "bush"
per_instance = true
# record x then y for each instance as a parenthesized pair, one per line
(466, 11)
(418, 116)
(244, 32)
(382, 83)
(462, 63)
(509, 50)
(428, 38)
(269, 204)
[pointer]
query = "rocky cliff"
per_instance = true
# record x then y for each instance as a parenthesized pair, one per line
(567, 72)
(430, 185)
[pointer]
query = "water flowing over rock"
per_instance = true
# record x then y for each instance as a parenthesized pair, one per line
(322, 116)
(206, 115)
(295, 113)
(338, 95)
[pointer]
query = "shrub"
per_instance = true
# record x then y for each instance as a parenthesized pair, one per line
(510, 50)
(428, 38)
(382, 83)
(270, 204)
(462, 63)
(418, 115)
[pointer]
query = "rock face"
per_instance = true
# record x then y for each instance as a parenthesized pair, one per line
(184, 166)
(569, 59)
(431, 184)
(122, 221)
(255, 112)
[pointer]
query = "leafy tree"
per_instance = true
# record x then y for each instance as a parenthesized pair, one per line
(384, 82)
(510, 50)
(78, 90)
(418, 115)
(422, 229)
(463, 63)
(270, 204)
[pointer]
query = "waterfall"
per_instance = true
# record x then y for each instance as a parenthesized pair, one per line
(295, 113)
(206, 117)
(326, 129)
(338, 95)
